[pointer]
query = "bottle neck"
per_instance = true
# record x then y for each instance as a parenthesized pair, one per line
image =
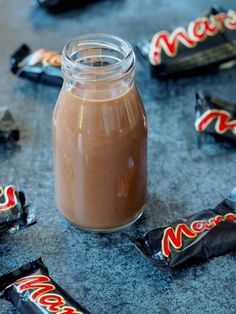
(98, 66)
(99, 89)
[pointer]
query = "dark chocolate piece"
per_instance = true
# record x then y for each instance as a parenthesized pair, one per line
(8, 128)
(216, 117)
(33, 291)
(15, 214)
(206, 44)
(195, 238)
(42, 66)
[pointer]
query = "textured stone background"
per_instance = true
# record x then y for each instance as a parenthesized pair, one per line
(106, 273)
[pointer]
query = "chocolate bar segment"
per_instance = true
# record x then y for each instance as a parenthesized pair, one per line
(42, 66)
(15, 214)
(216, 117)
(33, 291)
(195, 238)
(8, 128)
(204, 45)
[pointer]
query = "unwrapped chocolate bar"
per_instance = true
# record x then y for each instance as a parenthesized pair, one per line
(31, 290)
(42, 66)
(8, 128)
(216, 117)
(15, 214)
(198, 237)
(207, 43)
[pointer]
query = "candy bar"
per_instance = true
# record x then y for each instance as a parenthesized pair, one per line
(207, 43)
(42, 66)
(15, 214)
(216, 117)
(31, 290)
(195, 238)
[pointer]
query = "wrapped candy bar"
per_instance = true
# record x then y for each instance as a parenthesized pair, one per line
(42, 66)
(8, 128)
(207, 43)
(198, 237)
(33, 291)
(216, 117)
(15, 214)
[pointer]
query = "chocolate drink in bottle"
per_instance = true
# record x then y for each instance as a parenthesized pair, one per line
(99, 133)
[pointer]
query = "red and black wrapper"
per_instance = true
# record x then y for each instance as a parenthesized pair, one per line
(8, 127)
(206, 44)
(196, 238)
(41, 66)
(216, 117)
(15, 214)
(31, 290)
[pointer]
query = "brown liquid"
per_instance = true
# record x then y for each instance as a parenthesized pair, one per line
(99, 149)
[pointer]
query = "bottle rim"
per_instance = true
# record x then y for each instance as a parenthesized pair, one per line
(97, 47)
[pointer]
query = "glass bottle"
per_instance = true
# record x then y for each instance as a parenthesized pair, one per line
(99, 135)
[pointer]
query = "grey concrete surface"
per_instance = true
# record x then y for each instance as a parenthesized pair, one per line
(106, 273)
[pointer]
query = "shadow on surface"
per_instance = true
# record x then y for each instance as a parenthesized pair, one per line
(8, 150)
(42, 18)
(36, 92)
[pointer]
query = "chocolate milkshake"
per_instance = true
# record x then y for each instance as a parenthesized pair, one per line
(99, 136)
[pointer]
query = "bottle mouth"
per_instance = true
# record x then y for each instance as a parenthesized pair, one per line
(97, 57)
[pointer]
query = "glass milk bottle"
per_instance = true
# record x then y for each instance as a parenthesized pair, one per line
(99, 135)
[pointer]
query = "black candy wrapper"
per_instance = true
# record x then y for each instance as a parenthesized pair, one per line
(206, 44)
(33, 291)
(8, 128)
(42, 66)
(195, 238)
(15, 214)
(216, 117)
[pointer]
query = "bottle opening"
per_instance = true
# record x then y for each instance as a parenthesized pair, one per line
(97, 57)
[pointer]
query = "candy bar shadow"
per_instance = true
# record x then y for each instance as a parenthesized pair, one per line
(43, 16)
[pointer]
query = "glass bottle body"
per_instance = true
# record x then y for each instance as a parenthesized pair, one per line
(99, 134)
